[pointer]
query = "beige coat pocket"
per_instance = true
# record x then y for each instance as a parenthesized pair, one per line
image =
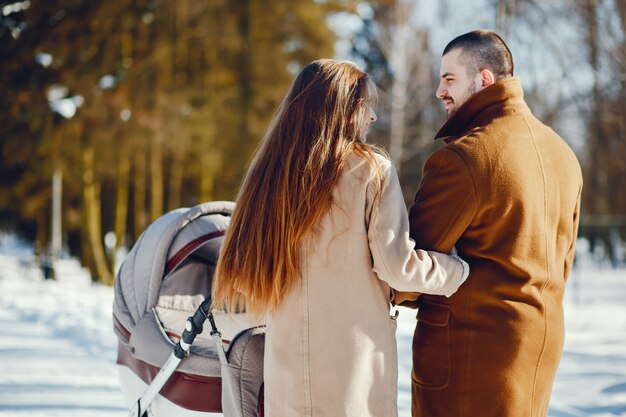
(431, 346)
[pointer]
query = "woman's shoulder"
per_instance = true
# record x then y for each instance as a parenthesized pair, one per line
(365, 174)
(367, 164)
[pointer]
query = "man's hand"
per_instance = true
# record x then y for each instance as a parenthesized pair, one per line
(406, 299)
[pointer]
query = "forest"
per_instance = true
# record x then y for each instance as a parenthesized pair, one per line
(114, 113)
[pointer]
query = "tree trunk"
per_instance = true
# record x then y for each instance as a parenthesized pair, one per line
(505, 9)
(597, 137)
(398, 60)
(245, 68)
(122, 192)
(156, 174)
(139, 195)
(597, 176)
(91, 201)
(208, 70)
(40, 243)
(207, 169)
(176, 178)
(125, 142)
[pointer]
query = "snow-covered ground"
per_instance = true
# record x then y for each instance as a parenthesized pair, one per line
(57, 347)
(57, 350)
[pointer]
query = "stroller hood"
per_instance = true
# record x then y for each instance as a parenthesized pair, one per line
(141, 275)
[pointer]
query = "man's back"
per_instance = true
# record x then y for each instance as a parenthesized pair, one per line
(511, 189)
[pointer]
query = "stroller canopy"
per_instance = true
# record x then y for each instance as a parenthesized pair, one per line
(168, 241)
(165, 277)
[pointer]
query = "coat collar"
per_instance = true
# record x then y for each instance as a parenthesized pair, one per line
(507, 92)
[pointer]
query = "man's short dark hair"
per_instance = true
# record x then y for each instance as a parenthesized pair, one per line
(483, 49)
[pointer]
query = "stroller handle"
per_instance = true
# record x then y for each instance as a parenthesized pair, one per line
(193, 327)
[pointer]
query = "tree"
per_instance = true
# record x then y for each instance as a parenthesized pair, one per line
(394, 45)
(170, 100)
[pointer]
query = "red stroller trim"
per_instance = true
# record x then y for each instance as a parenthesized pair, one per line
(193, 392)
(189, 248)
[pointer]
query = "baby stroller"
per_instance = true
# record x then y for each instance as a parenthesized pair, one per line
(169, 363)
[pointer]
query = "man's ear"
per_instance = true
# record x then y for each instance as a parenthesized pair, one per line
(487, 78)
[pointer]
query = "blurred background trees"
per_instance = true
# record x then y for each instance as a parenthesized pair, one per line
(131, 108)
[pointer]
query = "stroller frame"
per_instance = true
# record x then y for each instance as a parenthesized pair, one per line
(193, 327)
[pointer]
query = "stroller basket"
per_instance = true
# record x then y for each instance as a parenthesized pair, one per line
(162, 297)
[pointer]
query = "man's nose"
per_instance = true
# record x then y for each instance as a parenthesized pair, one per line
(441, 92)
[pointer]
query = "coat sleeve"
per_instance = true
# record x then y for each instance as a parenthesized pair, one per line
(445, 202)
(395, 259)
(444, 206)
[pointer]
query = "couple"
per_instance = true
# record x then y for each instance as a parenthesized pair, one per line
(320, 243)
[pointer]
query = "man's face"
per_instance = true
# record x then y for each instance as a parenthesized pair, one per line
(456, 86)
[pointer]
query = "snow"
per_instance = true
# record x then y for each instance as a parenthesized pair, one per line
(58, 348)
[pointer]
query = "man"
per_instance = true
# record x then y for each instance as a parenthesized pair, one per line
(505, 191)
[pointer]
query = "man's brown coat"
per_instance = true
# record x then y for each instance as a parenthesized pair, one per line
(505, 189)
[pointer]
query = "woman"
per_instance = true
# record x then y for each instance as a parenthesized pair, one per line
(318, 238)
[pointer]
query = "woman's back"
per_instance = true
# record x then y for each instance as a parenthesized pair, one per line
(330, 347)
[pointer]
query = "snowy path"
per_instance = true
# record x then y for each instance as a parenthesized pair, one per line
(591, 380)
(57, 350)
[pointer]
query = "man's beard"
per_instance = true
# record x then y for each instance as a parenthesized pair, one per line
(471, 90)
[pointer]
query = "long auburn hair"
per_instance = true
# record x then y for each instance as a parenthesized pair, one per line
(288, 187)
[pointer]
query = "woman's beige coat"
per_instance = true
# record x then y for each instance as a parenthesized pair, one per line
(331, 348)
